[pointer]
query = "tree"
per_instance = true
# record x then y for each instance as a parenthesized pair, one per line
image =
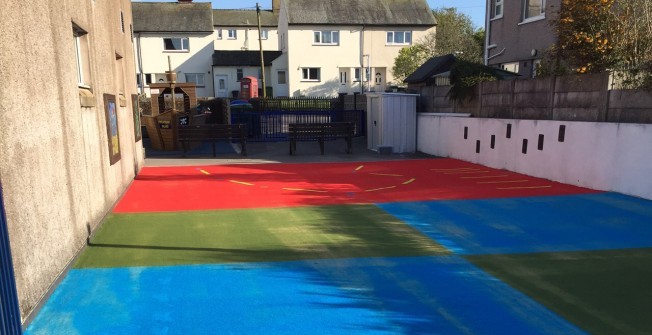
(455, 34)
(408, 60)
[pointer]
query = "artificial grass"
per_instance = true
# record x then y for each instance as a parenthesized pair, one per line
(253, 235)
(603, 292)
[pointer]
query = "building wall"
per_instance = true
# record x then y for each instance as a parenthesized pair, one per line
(55, 171)
(246, 39)
(602, 156)
(359, 47)
(232, 80)
(198, 59)
(516, 39)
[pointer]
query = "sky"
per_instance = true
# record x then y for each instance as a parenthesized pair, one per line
(473, 8)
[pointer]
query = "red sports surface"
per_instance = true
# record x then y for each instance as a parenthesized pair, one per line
(165, 189)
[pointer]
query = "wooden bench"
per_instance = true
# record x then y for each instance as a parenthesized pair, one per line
(213, 133)
(320, 132)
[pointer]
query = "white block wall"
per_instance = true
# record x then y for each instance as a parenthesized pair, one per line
(603, 156)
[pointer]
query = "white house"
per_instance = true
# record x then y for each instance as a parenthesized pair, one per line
(181, 32)
(344, 46)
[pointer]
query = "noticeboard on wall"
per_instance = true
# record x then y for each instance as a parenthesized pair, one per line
(113, 135)
(138, 131)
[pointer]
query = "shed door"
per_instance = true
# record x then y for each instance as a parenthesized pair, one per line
(9, 312)
(375, 123)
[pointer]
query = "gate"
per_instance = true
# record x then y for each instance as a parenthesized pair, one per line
(9, 311)
(273, 126)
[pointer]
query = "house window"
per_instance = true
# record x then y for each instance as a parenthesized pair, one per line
(498, 9)
(356, 74)
(239, 74)
(148, 78)
(327, 37)
(511, 67)
(175, 44)
(282, 77)
(219, 34)
(264, 34)
(122, 22)
(343, 77)
(310, 74)
(80, 37)
(197, 78)
(399, 37)
(232, 34)
(533, 9)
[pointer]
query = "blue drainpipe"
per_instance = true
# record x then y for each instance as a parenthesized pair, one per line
(9, 310)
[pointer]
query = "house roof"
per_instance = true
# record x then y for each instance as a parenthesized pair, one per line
(430, 68)
(441, 65)
(243, 58)
(172, 17)
(243, 18)
(360, 12)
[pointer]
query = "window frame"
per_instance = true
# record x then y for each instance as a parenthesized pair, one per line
(318, 37)
(540, 16)
(357, 73)
(185, 47)
(218, 32)
(498, 4)
(233, 36)
(306, 74)
(285, 77)
(239, 74)
(197, 76)
(82, 57)
(393, 33)
(264, 34)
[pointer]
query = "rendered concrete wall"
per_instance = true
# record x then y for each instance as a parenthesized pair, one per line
(603, 156)
(247, 39)
(54, 167)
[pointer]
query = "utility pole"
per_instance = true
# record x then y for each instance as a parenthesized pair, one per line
(262, 58)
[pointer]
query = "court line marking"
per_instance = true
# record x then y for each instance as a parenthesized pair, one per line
(359, 168)
(501, 181)
(482, 177)
(241, 182)
(522, 187)
(204, 172)
(409, 181)
(386, 174)
(455, 169)
(380, 188)
(466, 172)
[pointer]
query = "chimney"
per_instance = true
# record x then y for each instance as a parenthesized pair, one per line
(276, 6)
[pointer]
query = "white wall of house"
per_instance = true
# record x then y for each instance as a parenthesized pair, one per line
(360, 48)
(246, 38)
(278, 78)
(196, 61)
(602, 156)
(231, 76)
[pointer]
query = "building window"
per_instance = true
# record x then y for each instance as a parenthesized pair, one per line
(175, 44)
(498, 9)
(356, 74)
(219, 34)
(343, 77)
(511, 67)
(122, 22)
(282, 77)
(232, 34)
(264, 34)
(148, 78)
(399, 37)
(533, 9)
(197, 78)
(310, 74)
(239, 74)
(82, 55)
(327, 37)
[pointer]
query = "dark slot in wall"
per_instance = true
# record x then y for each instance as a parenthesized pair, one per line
(466, 132)
(562, 133)
(509, 131)
(540, 144)
(524, 149)
(493, 141)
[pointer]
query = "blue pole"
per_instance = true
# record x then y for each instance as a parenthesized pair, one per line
(9, 310)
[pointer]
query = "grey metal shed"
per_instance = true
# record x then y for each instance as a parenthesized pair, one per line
(392, 121)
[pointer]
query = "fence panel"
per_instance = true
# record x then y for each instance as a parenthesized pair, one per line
(272, 126)
(9, 310)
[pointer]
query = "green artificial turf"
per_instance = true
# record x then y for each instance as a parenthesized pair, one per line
(603, 292)
(252, 235)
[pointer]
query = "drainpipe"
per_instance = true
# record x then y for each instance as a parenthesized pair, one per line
(361, 59)
(141, 87)
(487, 32)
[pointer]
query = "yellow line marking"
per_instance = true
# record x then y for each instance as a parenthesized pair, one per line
(409, 181)
(381, 188)
(482, 177)
(501, 181)
(204, 171)
(462, 172)
(524, 187)
(301, 189)
(387, 174)
(359, 168)
(241, 182)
